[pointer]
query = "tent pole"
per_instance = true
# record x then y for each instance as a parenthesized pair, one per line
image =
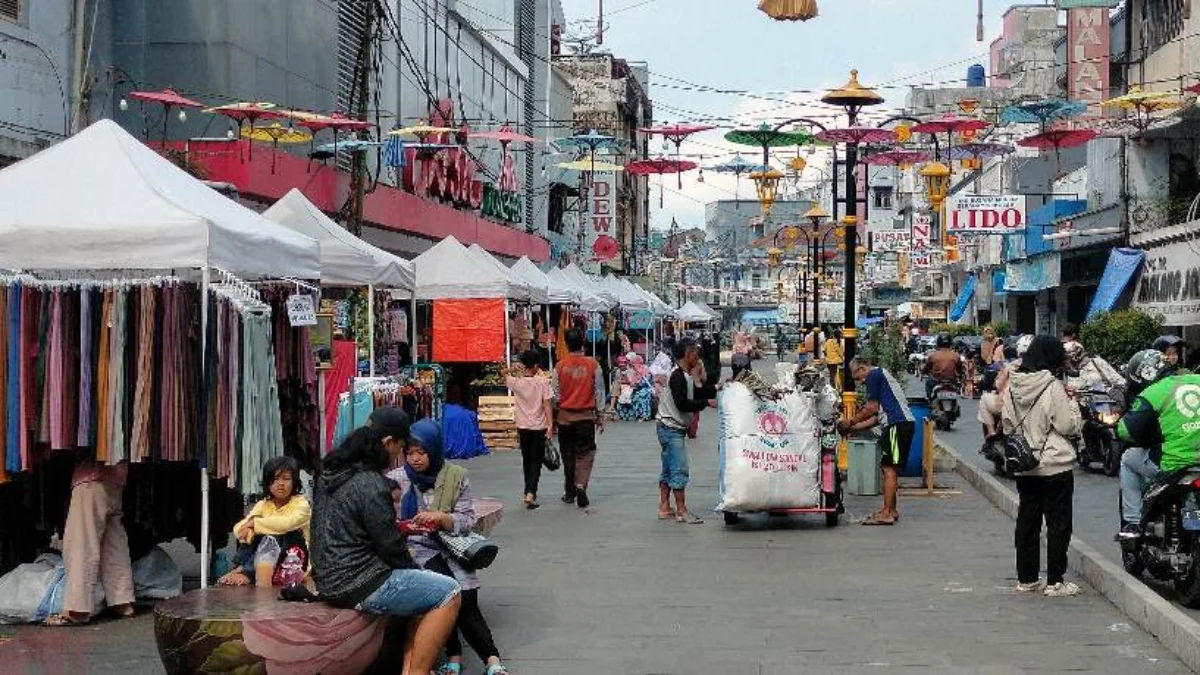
(323, 444)
(507, 337)
(371, 330)
(546, 330)
(204, 524)
(412, 325)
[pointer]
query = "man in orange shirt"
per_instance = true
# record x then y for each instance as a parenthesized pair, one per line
(579, 385)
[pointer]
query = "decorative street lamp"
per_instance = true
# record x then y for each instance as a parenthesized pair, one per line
(767, 183)
(936, 177)
(816, 215)
(789, 10)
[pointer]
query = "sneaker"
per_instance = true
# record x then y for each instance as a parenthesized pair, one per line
(1031, 587)
(1062, 589)
(581, 498)
(1129, 532)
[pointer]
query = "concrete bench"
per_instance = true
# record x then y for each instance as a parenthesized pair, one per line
(249, 630)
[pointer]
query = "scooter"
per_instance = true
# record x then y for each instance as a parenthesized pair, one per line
(916, 362)
(1098, 444)
(1169, 546)
(943, 405)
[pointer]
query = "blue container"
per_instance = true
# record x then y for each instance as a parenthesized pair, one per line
(976, 76)
(920, 410)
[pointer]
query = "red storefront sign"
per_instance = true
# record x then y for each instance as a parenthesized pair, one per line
(1087, 56)
(986, 214)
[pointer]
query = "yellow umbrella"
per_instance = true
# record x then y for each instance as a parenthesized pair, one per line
(275, 134)
(590, 164)
(422, 131)
(1145, 101)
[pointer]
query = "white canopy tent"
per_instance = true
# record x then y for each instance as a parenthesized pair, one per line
(693, 312)
(101, 200)
(590, 299)
(583, 281)
(630, 300)
(558, 291)
(448, 271)
(346, 260)
(525, 291)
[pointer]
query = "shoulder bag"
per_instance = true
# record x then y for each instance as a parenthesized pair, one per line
(1019, 456)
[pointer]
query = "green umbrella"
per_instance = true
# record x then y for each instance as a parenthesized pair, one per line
(766, 137)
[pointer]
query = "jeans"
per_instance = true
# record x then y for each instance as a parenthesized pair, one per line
(675, 468)
(410, 592)
(1137, 470)
(1049, 498)
(533, 451)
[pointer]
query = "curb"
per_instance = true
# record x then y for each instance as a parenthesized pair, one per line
(1177, 631)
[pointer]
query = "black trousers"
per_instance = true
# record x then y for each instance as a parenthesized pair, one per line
(1048, 498)
(577, 445)
(533, 451)
(470, 619)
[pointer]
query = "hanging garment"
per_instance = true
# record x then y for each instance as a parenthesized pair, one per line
(14, 392)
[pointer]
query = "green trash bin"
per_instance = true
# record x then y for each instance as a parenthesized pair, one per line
(862, 467)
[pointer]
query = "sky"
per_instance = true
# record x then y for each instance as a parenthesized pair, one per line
(695, 46)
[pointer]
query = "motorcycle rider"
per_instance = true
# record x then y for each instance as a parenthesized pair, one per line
(1085, 372)
(1160, 422)
(943, 366)
(1175, 350)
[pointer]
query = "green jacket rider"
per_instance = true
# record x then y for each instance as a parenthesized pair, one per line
(1165, 418)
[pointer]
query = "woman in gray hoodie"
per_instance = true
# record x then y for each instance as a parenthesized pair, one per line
(1037, 406)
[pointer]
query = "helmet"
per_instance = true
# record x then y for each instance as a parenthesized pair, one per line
(1023, 345)
(1146, 367)
(1075, 352)
(944, 341)
(1165, 341)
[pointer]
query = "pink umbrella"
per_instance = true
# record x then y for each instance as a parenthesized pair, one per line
(315, 122)
(504, 136)
(676, 133)
(248, 111)
(950, 124)
(166, 98)
(896, 158)
(1058, 138)
(645, 167)
(856, 135)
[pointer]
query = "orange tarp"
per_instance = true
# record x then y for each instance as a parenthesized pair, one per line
(468, 331)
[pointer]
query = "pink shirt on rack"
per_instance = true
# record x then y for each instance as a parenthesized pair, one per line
(531, 394)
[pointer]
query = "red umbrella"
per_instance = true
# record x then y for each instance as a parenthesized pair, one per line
(166, 98)
(1058, 138)
(950, 123)
(645, 167)
(676, 133)
(896, 158)
(856, 135)
(504, 136)
(315, 122)
(251, 111)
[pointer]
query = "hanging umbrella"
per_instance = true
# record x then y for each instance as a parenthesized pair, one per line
(167, 98)
(275, 134)
(1143, 104)
(1057, 139)
(645, 167)
(899, 158)
(736, 166)
(590, 141)
(422, 131)
(676, 133)
(789, 10)
(250, 111)
(950, 124)
(336, 121)
(589, 165)
(1042, 112)
(351, 145)
(504, 136)
(766, 138)
(858, 135)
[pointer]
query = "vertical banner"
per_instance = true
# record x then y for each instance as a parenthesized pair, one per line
(601, 222)
(1088, 41)
(922, 239)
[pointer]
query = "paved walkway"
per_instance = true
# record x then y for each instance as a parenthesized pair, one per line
(614, 590)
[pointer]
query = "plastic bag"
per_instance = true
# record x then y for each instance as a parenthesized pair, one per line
(156, 576)
(552, 459)
(24, 590)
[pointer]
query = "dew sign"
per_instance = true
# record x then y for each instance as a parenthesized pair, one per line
(1170, 284)
(986, 214)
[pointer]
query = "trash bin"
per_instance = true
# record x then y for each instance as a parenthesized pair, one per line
(862, 467)
(920, 410)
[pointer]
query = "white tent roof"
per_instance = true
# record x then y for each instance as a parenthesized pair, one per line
(589, 298)
(583, 281)
(659, 307)
(630, 299)
(694, 312)
(447, 271)
(346, 260)
(523, 289)
(103, 200)
(558, 291)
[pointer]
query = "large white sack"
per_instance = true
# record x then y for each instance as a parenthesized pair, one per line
(769, 452)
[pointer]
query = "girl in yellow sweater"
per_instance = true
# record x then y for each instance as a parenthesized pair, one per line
(276, 529)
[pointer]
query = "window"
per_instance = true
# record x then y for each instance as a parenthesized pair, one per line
(10, 10)
(882, 198)
(756, 281)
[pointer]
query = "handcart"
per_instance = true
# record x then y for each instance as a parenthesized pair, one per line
(831, 503)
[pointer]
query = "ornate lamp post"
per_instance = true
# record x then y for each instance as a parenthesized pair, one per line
(936, 177)
(789, 10)
(767, 184)
(815, 216)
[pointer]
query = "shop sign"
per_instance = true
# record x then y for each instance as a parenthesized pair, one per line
(921, 230)
(889, 240)
(1088, 40)
(504, 201)
(1170, 284)
(986, 214)
(1034, 274)
(301, 311)
(602, 217)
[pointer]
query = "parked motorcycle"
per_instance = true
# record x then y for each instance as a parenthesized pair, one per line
(943, 405)
(1098, 445)
(1169, 546)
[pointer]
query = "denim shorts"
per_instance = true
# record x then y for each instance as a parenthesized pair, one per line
(410, 593)
(675, 467)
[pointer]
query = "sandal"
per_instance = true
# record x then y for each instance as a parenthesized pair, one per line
(125, 612)
(496, 669)
(666, 515)
(876, 519)
(688, 518)
(450, 669)
(63, 621)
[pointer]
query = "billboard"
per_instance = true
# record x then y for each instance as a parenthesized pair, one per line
(1088, 46)
(888, 240)
(986, 214)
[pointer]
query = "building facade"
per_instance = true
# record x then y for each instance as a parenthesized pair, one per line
(37, 76)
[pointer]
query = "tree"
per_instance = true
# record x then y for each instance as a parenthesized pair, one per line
(885, 348)
(1117, 336)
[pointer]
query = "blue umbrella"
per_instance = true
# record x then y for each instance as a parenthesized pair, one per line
(1042, 111)
(591, 141)
(737, 166)
(351, 145)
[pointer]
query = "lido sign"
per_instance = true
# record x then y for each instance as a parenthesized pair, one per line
(994, 214)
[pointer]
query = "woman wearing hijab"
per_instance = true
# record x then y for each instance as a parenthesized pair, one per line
(1038, 407)
(360, 560)
(636, 391)
(437, 495)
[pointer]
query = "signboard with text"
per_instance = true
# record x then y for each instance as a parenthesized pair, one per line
(600, 221)
(1088, 39)
(889, 240)
(1170, 283)
(986, 214)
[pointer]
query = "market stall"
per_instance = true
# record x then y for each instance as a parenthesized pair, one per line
(140, 270)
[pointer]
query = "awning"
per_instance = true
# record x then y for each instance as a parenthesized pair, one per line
(1032, 275)
(760, 317)
(964, 298)
(1123, 264)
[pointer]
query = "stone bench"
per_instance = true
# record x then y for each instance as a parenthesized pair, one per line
(249, 630)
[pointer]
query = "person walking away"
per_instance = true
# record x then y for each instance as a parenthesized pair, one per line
(279, 523)
(943, 366)
(1038, 407)
(886, 406)
(534, 398)
(360, 559)
(835, 358)
(683, 397)
(436, 494)
(580, 387)
(95, 544)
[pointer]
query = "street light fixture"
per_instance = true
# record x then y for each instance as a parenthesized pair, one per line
(789, 10)
(767, 184)
(936, 177)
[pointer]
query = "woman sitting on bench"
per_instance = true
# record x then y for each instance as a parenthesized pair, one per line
(360, 559)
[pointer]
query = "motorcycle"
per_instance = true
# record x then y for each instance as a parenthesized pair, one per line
(993, 451)
(943, 405)
(1098, 444)
(1168, 547)
(916, 362)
